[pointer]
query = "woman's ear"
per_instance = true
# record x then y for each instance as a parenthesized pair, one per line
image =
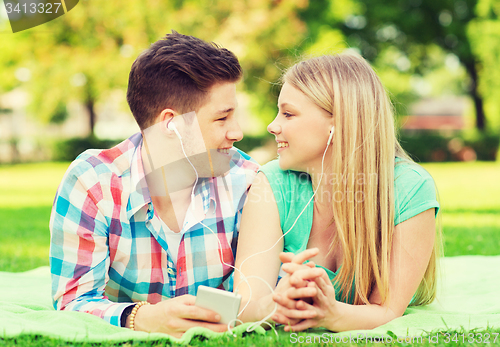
(332, 131)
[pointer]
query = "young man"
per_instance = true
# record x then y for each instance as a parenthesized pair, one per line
(156, 216)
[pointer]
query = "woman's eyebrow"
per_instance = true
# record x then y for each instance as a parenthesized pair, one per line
(284, 104)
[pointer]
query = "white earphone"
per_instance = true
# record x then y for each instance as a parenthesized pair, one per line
(332, 130)
(171, 126)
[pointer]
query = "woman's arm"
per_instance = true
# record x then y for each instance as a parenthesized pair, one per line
(412, 246)
(260, 230)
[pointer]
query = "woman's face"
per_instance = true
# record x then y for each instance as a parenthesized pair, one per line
(301, 129)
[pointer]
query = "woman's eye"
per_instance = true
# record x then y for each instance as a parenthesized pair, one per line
(287, 115)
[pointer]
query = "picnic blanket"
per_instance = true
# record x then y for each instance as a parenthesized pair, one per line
(468, 298)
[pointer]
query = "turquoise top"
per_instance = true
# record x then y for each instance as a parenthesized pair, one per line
(414, 192)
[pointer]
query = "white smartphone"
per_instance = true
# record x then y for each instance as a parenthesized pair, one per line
(225, 303)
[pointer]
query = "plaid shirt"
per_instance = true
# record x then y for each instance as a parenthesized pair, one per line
(108, 246)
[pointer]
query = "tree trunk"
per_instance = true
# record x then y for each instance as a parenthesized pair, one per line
(478, 100)
(15, 157)
(89, 104)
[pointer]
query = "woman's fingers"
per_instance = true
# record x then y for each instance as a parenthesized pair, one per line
(302, 325)
(286, 257)
(311, 264)
(290, 310)
(299, 258)
(295, 314)
(301, 277)
(282, 319)
(319, 288)
(290, 268)
(289, 299)
(304, 292)
(326, 291)
(305, 255)
(284, 301)
(302, 305)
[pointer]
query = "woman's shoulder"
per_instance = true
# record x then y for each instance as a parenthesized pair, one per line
(271, 167)
(274, 174)
(414, 190)
(407, 171)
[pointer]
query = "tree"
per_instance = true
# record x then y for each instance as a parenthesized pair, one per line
(410, 25)
(484, 32)
(88, 52)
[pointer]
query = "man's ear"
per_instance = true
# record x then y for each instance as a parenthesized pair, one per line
(166, 116)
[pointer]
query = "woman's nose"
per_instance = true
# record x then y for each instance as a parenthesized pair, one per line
(274, 128)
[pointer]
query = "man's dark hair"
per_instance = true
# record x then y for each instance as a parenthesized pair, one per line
(176, 72)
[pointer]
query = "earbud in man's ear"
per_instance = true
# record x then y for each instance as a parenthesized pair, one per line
(332, 130)
(171, 126)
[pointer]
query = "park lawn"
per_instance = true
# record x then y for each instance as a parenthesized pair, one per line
(470, 204)
(469, 195)
(26, 195)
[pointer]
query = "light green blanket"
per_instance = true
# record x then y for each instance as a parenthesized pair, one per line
(26, 308)
(468, 298)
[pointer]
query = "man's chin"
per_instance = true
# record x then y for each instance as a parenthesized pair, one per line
(213, 174)
(220, 163)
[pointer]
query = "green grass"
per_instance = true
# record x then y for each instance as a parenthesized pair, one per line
(470, 206)
(449, 338)
(26, 195)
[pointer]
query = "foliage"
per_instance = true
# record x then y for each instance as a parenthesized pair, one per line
(429, 146)
(484, 32)
(68, 150)
(88, 52)
(249, 142)
(466, 30)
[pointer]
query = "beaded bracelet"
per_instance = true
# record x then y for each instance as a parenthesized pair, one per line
(134, 312)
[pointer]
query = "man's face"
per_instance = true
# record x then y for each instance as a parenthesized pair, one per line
(218, 125)
(207, 140)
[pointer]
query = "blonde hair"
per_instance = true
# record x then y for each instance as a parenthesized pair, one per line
(365, 143)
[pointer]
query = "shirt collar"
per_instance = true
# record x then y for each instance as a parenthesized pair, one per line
(139, 192)
(205, 191)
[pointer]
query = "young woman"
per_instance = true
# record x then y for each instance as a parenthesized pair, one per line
(355, 212)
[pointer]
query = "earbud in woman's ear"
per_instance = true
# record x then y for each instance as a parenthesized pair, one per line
(332, 130)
